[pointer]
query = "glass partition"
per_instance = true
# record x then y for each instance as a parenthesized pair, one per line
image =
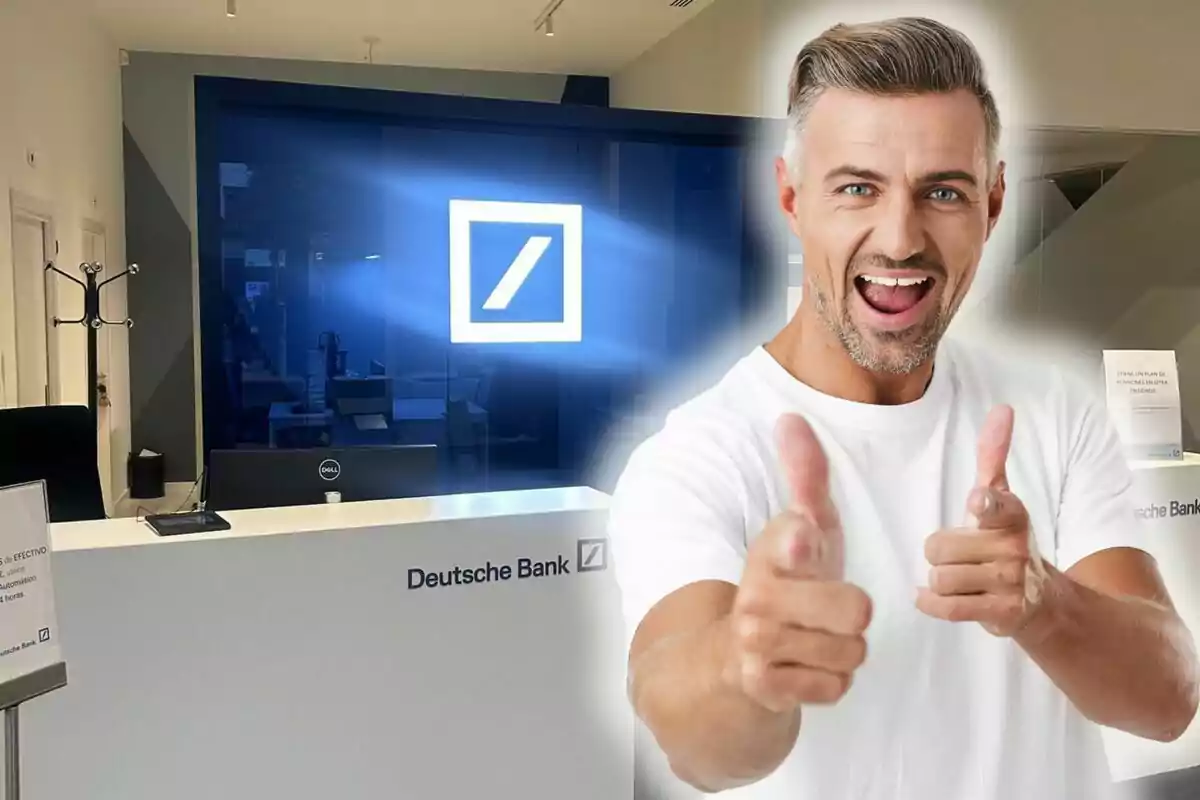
(503, 292)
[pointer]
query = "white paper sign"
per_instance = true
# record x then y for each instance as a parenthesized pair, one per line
(1142, 388)
(28, 626)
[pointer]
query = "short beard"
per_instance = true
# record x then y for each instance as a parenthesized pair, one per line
(909, 350)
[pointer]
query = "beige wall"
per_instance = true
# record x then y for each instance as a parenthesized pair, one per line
(60, 95)
(1093, 64)
(707, 66)
(1120, 272)
(1071, 64)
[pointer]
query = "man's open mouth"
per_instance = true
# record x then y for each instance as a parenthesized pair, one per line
(889, 295)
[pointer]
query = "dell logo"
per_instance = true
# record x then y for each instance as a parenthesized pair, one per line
(329, 470)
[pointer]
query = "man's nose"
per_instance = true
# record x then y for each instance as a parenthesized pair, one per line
(899, 231)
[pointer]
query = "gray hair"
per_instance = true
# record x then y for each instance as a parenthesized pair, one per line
(902, 56)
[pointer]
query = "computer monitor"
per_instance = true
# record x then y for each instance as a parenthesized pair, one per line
(239, 479)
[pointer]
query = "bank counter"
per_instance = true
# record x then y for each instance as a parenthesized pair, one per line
(1168, 494)
(454, 647)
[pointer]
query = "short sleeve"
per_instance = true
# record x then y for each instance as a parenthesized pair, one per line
(1097, 511)
(676, 518)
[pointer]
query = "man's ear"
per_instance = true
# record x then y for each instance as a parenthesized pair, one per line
(995, 198)
(784, 186)
(787, 194)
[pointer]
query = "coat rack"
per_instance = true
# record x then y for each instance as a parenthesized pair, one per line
(93, 320)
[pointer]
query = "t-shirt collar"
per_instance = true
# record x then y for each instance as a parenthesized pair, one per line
(840, 412)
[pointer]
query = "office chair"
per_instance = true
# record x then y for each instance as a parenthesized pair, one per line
(56, 444)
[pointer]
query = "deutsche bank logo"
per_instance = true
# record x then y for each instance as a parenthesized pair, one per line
(329, 470)
(476, 317)
(591, 555)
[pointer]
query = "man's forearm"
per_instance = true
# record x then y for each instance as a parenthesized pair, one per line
(1126, 663)
(715, 737)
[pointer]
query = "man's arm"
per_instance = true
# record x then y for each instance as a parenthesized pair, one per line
(720, 672)
(1108, 636)
(1105, 631)
(714, 736)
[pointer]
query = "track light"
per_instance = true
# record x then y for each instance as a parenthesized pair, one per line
(545, 20)
(231, 8)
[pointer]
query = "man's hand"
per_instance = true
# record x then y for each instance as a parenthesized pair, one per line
(989, 571)
(797, 628)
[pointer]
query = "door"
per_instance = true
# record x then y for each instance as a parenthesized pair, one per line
(31, 239)
(94, 247)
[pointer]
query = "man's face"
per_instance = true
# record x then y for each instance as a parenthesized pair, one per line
(892, 203)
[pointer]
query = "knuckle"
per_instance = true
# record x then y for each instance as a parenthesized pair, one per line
(1018, 546)
(1006, 506)
(855, 652)
(933, 548)
(787, 523)
(752, 674)
(831, 687)
(1012, 573)
(938, 580)
(752, 599)
(860, 610)
(751, 634)
(825, 649)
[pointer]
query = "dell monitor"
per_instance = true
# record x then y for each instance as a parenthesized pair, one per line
(267, 478)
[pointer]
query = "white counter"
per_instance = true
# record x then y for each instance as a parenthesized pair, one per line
(289, 657)
(1169, 504)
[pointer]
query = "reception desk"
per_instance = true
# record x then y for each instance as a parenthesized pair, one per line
(455, 647)
(1169, 506)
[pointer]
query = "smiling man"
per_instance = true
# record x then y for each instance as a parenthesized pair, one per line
(870, 562)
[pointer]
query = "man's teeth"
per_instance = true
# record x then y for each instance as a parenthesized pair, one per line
(882, 281)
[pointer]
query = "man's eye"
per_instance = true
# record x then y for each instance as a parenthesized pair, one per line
(944, 194)
(858, 190)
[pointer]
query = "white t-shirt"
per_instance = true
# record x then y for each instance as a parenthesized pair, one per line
(940, 710)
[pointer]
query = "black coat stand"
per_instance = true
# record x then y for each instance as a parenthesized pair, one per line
(93, 320)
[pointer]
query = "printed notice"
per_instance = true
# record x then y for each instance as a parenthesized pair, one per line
(28, 627)
(1142, 388)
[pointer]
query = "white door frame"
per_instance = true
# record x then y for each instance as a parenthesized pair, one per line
(28, 208)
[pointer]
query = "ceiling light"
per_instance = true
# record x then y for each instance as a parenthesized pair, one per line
(231, 8)
(371, 41)
(545, 20)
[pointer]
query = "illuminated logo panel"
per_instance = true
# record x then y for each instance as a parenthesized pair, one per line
(551, 230)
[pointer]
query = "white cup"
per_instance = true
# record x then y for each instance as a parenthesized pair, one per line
(333, 497)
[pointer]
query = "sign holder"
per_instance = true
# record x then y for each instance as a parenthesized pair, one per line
(1142, 394)
(34, 683)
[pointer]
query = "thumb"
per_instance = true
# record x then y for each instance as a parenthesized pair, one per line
(995, 439)
(805, 467)
(814, 548)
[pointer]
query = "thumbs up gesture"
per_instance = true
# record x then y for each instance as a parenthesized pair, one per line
(797, 628)
(989, 570)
